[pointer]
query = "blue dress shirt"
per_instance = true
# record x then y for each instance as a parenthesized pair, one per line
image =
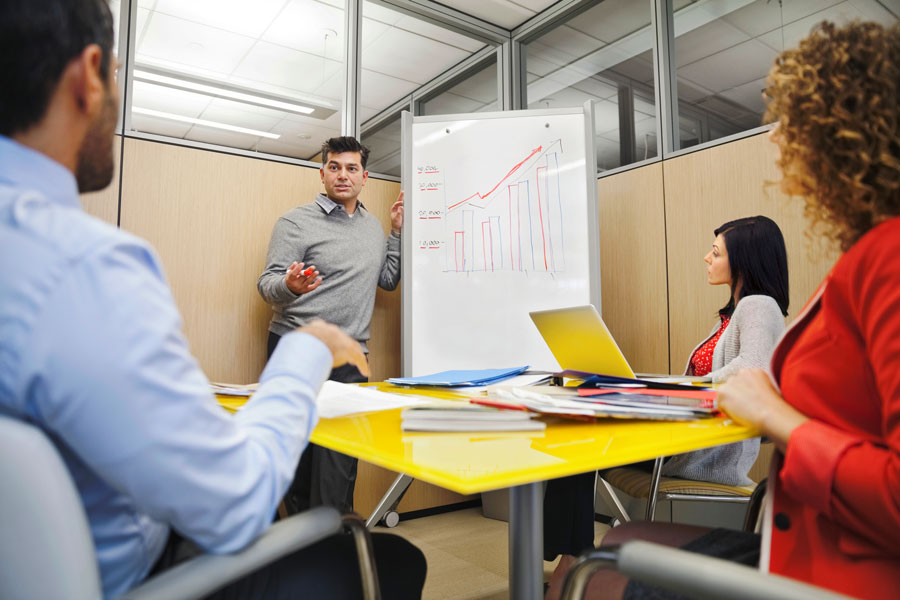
(92, 351)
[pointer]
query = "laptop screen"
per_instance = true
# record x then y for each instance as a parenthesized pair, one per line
(580, 340)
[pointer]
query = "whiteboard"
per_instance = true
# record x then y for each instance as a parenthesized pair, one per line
(500, 220)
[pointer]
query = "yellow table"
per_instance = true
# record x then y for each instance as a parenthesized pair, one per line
(470, 463)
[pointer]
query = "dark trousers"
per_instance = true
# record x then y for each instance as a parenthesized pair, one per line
(327, 569)
(569, 513)
(324, 477)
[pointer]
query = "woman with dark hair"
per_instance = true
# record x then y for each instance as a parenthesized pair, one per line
(749, 256)
(832, 402)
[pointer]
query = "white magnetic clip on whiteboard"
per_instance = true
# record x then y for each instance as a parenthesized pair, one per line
(500, 220)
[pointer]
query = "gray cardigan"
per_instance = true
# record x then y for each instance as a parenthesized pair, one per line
(748, 341)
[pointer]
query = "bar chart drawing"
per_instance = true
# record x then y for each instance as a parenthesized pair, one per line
(515, 225)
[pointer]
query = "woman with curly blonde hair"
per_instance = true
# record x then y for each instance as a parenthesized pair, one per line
(831, 404)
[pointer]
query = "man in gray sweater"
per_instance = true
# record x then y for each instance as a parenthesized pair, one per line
(325, 259)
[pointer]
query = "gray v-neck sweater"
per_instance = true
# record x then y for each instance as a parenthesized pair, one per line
(749, 340)
(352, 254)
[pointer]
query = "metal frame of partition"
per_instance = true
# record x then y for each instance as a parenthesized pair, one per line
(507, 47)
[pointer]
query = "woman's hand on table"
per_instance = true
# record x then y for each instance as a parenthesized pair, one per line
(749, 398)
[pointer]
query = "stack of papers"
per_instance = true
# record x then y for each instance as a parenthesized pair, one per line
(233, 389)
(681, 405)
(467, 417)
(474, 377)
(595, 380)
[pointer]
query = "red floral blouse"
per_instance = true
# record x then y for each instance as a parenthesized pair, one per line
(701, 360)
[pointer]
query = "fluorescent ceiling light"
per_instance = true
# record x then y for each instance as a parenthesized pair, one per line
(204, 122)
(221, 92)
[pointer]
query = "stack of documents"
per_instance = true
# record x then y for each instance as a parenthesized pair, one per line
(233, 389)
(474, 377)
(597, 380)
(672, 405)
(467, 417)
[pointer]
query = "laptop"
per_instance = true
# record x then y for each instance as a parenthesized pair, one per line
(581, 341)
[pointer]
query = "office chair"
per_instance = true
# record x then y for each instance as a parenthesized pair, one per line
(46, 549)
(690, 574)
(655, 488)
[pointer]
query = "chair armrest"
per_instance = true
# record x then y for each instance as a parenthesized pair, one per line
(205, 574)
(690, 574)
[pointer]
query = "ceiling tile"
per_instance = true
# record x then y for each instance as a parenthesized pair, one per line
(292, 69)
(382, 14)
(799, 9)
(242, 115)
(596, 88)
(732, 67)
(883, 11)
(757, 18)
(311, 27)
(748, 95)
(439, 34)
(158, 97)
(192, 45)
(503, 13)
(292, 144)
(380, 90)
(705, 41)
(159, 126)
(614, 19)
(481, 86)
(568, 41)
(409, 56)
(231, 139)
(235, 16)
(691, 92)
(449, 103)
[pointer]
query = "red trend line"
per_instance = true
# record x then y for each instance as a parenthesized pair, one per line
(511, 171)
(537, 178)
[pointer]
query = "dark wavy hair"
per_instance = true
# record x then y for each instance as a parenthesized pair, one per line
(346, 143)
(758, 260)
(38, 39)
(836, 100)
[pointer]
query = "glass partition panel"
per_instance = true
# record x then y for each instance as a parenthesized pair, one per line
(384, 148)
(605, 55)
(400, 54)
(724, 49)
(476, 92)
(264, 75)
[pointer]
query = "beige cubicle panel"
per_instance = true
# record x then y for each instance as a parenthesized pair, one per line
(704, 190)
(210, 215)
(633, 265)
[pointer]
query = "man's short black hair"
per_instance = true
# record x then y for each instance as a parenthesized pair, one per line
(38, 39)
(345, 143)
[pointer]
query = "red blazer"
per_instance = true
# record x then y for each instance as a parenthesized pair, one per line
(836, 510)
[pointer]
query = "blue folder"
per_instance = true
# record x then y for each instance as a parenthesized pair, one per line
(460, 377)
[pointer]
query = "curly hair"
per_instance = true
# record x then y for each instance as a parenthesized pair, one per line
(836, 99)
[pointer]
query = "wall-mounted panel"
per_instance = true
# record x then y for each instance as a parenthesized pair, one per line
(210, 215)
(633, 265)
(704, 190)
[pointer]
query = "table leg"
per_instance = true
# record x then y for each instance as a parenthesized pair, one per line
(391, 497)
(526, 540)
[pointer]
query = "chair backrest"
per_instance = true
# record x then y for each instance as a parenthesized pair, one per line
(46, 549)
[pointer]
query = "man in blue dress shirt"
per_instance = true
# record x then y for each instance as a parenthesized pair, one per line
(92, 352)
